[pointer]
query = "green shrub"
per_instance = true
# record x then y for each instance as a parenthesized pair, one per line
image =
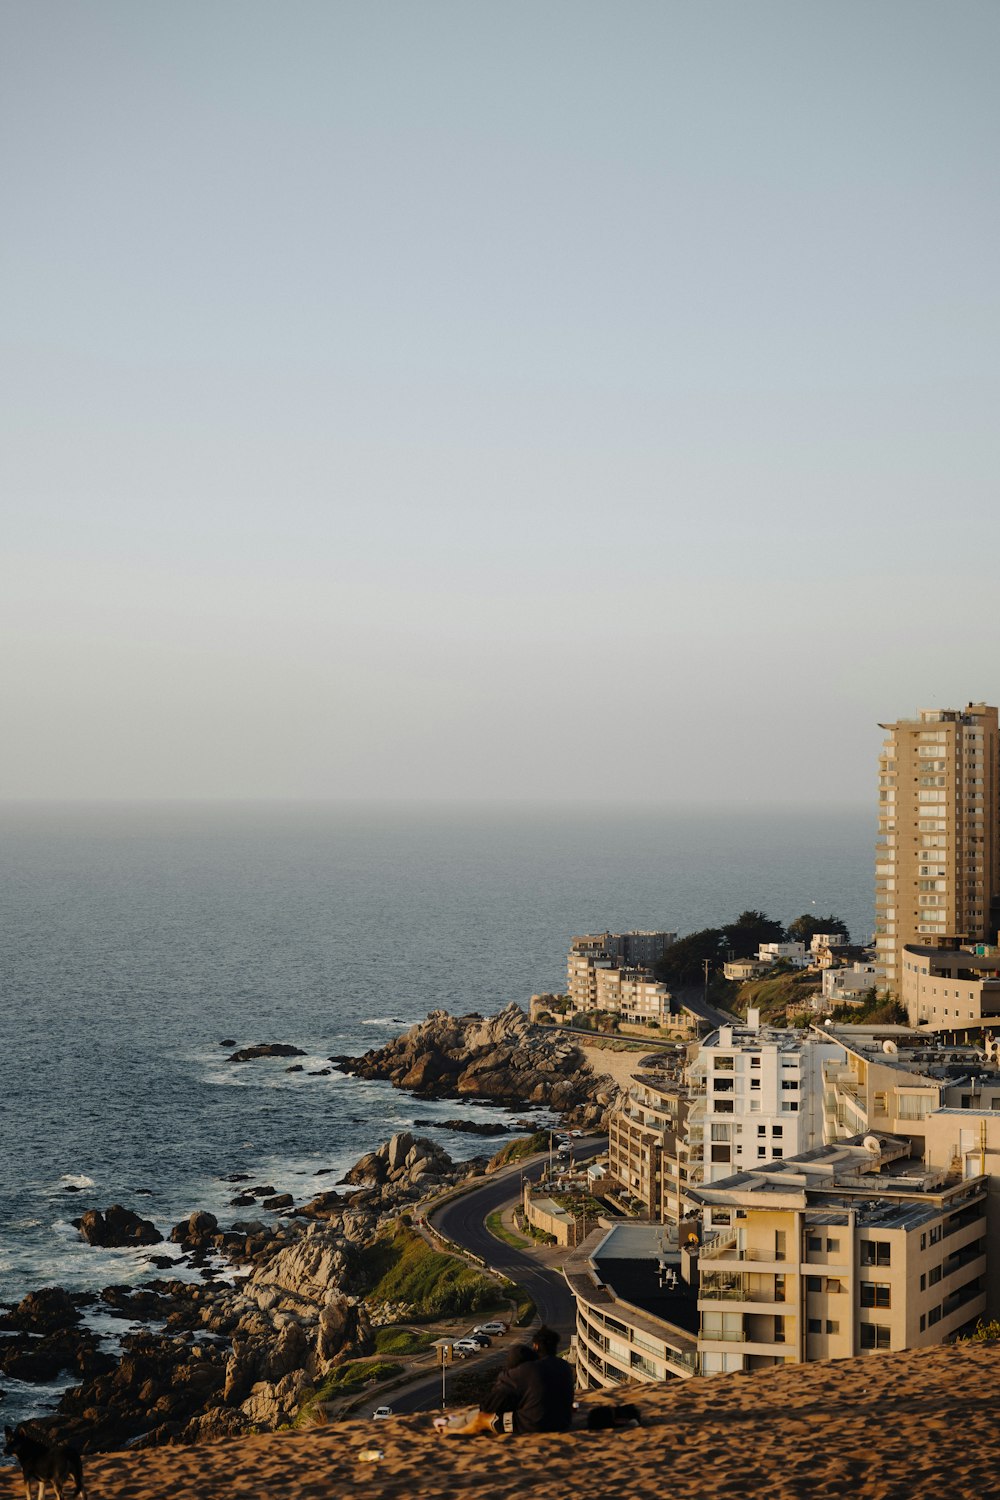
(524, 1145)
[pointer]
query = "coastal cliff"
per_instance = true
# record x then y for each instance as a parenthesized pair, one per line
(314, 1281)
(502, 1058)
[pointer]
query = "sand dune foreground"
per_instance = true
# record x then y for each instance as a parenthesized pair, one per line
(896, 1425)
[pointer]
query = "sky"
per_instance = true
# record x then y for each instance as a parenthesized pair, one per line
(539, 400)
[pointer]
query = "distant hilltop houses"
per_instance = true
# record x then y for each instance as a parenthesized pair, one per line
(787, 1193)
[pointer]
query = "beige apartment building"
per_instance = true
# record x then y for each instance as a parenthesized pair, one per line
(648, 1149)
(951, 990)
(937, 867)
(600, 977)
(845, 1250)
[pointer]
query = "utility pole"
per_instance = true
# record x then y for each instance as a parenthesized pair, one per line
(706, 965)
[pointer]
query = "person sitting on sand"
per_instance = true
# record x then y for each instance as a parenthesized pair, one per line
(536, 1388)
(538, 1392)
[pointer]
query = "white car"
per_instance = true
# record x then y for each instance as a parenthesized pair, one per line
(494, 1330)
(465, 1347)
(381, 1412)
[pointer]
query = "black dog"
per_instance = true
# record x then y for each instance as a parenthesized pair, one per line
(604, 1418)
(44, 1463)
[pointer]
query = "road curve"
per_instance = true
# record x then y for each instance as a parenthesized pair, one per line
(462, 1220)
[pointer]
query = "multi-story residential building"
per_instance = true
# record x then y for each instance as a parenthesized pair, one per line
(846, 1249)
(641, 950)
(951, 989)
(647, 1146)
(848, 983)
(762, 1097)
(636, 1307)
(612, 972)
(937, 867)
(892, 1078)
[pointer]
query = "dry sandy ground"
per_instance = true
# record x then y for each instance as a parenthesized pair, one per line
(622, 1066)
(885, 1427)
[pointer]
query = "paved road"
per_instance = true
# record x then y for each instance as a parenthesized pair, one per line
(462, 1221)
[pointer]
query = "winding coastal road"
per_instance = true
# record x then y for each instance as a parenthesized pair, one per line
(462, 1220)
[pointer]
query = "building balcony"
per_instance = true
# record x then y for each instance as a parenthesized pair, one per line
(716, 1288)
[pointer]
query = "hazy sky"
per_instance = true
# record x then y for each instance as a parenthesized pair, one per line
(540, 398)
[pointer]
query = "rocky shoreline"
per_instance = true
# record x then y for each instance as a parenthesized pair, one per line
(281, 1302)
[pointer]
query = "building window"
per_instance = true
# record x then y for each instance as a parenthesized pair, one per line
(815, 1325)
(875, 1336)
(875, 1294)
(762, 1130)
(814, 1283)
(778, 1131)
(875, 1253)
(923, 1322)
(832, 1326)
(935, 1275)
(815, 1243)
(789, 1083)
(934, 1316)
(832, 1247)
(723, 1064)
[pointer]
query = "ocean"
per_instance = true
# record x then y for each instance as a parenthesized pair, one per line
(139, 938)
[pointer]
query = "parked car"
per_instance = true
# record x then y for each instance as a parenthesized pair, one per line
(494, 1329)
(464, 1347)
(381, 1412)
(482, 1339)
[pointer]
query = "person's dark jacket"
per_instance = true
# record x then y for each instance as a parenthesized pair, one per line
(539, 1393)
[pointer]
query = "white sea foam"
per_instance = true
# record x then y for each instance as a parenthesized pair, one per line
(75, 1179)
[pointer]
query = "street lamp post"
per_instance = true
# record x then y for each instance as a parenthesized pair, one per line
(444, 1355)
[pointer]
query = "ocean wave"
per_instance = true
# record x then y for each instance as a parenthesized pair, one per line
(75, 1179)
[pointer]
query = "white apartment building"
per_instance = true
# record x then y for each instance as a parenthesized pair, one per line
(763, 1097)
(789, 953)
(848, 983)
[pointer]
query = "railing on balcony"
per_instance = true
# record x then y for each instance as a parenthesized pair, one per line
(716, 1287)
(717, 1246)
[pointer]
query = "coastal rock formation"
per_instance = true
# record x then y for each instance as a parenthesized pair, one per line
(502, 1058)
(406, 1160)
(117, 1227)
(48, 1310)
(265, 1049)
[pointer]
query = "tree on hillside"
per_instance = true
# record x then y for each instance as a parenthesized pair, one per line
(751, 928)
(682, 963)
(805, 928)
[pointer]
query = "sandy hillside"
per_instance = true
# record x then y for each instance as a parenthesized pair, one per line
(888, 1427)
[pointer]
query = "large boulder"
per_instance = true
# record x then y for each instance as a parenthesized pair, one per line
(345, 1332)
(117, 1228)
(44, 1311)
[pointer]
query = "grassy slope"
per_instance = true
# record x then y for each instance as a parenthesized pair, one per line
(402, 1267)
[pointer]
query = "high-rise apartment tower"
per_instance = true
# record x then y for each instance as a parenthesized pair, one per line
(937, 866)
